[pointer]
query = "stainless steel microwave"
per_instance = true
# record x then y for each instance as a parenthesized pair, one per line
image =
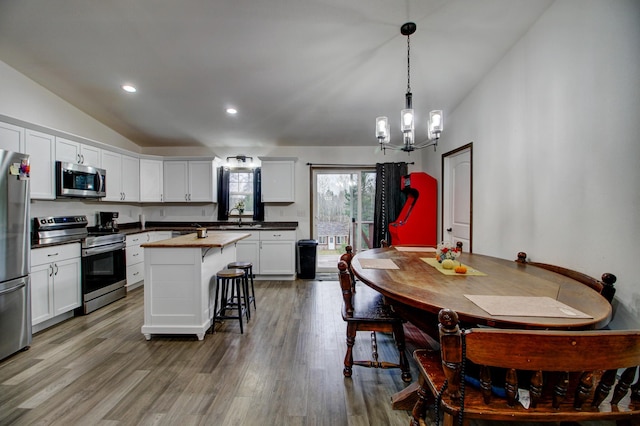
(80, 181)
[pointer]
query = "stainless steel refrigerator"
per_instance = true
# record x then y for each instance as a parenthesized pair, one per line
(15, 291)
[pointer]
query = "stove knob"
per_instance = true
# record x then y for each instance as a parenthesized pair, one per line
(43, 221)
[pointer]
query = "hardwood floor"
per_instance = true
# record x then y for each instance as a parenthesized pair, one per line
(286, 369)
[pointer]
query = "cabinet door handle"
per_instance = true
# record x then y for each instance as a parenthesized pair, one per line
(78, 159)
(51, 268)
(135, 254)
(82, 159)
(56, 269)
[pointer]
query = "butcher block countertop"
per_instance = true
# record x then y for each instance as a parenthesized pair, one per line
(213, 239)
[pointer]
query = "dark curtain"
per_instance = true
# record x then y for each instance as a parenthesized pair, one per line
(389, 199)
(258, 205)
(223, 193)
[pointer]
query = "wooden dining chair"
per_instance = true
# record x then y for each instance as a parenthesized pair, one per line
(604, 286)
(367, 311)
(545, 376)
(347, 256)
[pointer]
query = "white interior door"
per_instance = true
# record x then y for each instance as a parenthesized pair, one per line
(456, 194)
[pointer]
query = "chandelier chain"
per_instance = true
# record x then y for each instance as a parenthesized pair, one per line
(408, 64)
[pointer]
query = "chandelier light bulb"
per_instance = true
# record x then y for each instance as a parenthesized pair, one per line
(382, 129)
(407, 120)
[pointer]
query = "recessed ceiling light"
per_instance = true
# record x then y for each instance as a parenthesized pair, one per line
(232, 111)
(129, 88)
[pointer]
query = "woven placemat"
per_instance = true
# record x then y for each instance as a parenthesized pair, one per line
(378, 264)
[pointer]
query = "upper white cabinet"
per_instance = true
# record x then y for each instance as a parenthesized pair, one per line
(151, 180)
(11, 137)
(123, 177)
(190, 181)
(74, 152)
(41, 149)
(278, 178)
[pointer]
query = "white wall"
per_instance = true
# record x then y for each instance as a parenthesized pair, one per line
(556, 148)
(23, 99)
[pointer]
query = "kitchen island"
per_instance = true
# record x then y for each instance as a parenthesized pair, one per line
(179, 273)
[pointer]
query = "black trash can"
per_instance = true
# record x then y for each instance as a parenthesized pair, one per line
(307, 259)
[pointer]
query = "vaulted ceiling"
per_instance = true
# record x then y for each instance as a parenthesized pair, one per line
(300, 72)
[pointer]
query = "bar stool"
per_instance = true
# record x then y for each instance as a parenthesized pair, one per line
(229, 295)
(247, 267)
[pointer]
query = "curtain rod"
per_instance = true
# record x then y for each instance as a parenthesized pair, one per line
(343, 165)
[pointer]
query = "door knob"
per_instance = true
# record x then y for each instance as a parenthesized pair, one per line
(449, 229)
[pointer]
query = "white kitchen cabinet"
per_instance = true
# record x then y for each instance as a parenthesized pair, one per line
(278, 178)
(135, 255)
(11, 137)
(277, 252)
(55, 281)
(75, 152)
(248, 250)
(270, 252)
(123, 177)
(41, 149)
(190, 181)
(151, 180)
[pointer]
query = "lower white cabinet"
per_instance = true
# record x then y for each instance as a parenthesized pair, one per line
(55, 281)
(270, 252)
(135, 254)
(248, 250)
(277, 252)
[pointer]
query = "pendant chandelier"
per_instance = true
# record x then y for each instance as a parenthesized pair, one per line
(407, 117)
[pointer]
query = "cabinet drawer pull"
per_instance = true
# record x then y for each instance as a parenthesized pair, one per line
(52, 254)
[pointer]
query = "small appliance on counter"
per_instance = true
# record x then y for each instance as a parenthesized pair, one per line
(107, 222)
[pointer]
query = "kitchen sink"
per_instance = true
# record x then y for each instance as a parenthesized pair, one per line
(236, 227)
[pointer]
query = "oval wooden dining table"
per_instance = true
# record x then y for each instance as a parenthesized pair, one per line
(418, 290)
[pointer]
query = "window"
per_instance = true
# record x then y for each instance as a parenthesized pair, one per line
(241, 190)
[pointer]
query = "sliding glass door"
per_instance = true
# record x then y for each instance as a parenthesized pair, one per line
(343, 203)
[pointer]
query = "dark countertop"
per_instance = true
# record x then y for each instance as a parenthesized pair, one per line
(136, 228)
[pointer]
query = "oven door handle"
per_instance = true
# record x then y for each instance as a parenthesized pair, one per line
(102, 249)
